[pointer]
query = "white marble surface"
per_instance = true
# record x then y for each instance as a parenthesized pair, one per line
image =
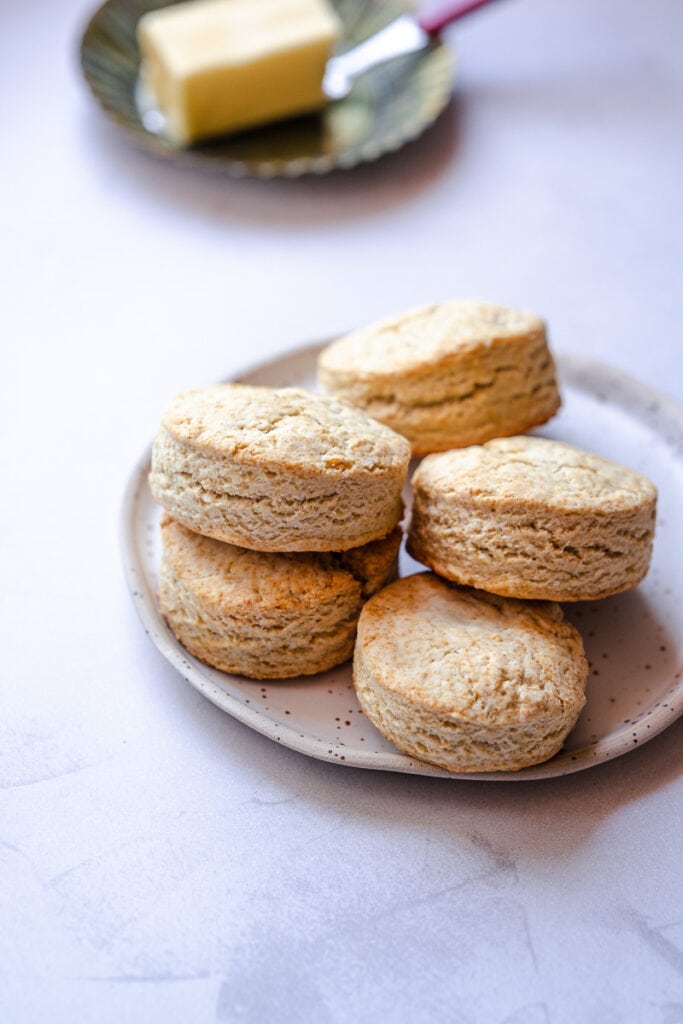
(161, 864)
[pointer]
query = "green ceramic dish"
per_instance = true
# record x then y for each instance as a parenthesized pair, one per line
(387, 107)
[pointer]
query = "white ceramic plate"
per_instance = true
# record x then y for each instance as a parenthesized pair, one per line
(634, 641)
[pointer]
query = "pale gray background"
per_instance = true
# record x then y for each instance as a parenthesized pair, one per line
(160, 862)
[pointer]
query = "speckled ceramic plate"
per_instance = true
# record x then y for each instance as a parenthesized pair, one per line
(634, 641)
(387, 107)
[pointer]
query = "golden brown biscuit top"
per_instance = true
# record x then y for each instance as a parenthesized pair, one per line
(464, 653)
(284, 427)
(534, 471)
(406, 342)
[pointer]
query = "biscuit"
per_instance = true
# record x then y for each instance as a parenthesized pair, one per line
(468, 681)
(448, 375)
(267, 615)
(278, 470)
(531, 518)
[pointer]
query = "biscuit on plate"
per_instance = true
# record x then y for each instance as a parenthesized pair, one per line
(448, 375)
(278, 470)
(532, 518)
(468, 681)
(267, 615)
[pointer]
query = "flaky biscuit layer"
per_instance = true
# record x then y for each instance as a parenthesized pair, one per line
(531, 518)
(448, 375)
(278, 470)
(468, 681)
(267, 615)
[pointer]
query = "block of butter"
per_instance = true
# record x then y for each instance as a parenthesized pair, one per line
(218, 66)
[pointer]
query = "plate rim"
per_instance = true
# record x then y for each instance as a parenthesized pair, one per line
(366, 152)
(573, 368)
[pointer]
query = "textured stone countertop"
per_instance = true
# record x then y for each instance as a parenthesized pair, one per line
(161, 863)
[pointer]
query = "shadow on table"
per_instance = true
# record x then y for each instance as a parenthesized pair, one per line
(338, 196)
(538, 819)
(442, 871)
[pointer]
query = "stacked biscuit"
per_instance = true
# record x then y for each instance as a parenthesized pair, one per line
(485, 675)
(281, 516)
